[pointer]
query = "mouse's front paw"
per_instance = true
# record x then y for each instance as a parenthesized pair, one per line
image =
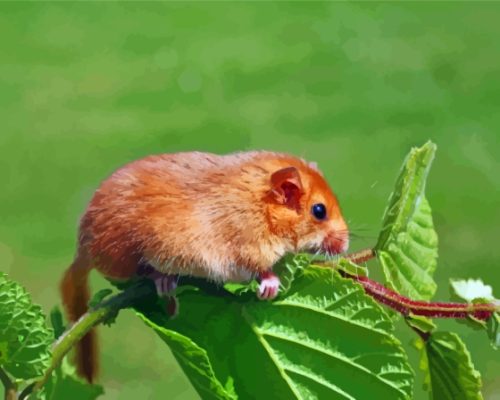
(269, 286)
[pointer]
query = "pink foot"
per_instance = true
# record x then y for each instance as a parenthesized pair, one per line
(165, 284)
(269, 286)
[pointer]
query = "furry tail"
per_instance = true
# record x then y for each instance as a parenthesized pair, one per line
(75, 296)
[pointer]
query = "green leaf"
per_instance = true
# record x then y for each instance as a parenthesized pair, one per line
(324, 338)
(65, 384)
(492, 330)
(240, 288)
(99, 297)
(56, 320)
(407, 245)
(449, 369)
(24, 337)
(288, 267)
(194, 361)
(423, 324)
(352, 268)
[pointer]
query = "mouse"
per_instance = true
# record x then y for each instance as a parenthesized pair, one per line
(225, 218)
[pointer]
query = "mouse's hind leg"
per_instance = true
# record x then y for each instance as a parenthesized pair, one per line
(165, 286)
(165, 283)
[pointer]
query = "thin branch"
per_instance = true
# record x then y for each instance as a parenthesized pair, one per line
(361, 256)
(407, 306)
(9, 385)
(358, 257)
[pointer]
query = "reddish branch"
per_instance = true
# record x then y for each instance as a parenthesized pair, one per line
(406, 306)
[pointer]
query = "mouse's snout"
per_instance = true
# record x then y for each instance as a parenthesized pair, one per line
(336, 243)
(337, 239)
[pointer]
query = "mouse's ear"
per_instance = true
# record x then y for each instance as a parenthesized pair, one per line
(286, 187)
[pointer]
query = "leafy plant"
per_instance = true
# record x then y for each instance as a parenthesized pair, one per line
(24, 337)
(326, 336)
(450, 373)
(64, 384)
(407, 244)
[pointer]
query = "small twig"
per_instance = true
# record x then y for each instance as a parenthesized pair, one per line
(361, 256)
(9, 385)
(358, 257)
(406, 306)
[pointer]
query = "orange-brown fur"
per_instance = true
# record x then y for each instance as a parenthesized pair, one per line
(201, 214)
(75, 294)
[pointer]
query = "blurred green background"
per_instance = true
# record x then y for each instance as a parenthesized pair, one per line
(86, 87)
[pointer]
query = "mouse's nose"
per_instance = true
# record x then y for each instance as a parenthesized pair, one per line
(336, 243)
(337, 239)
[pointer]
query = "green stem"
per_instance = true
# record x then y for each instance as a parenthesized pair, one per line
(10, 387)
(105, 311)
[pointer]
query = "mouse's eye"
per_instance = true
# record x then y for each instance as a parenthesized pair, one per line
(319, 211)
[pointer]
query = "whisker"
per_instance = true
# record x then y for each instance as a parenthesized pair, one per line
(354, 230)
(358, 226)
(356, 236)
(316, 254)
